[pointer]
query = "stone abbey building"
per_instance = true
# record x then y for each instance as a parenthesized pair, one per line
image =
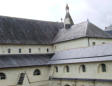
(43, 53)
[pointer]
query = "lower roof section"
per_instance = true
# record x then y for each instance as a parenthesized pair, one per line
(24, 60)
(82, 55)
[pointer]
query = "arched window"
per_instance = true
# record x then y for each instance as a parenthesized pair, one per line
(94, 43)
(47, 50)
(67, 85)
(83, 68)
(103, 67)
(56, 68)
(2, 76)
(67, 69)
(29, 50)
(9, 50)
(37, 72)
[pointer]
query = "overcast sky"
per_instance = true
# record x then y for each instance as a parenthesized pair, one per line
(98, 12)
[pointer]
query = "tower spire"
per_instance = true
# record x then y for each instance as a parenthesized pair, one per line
(67, 8)
(68, 22)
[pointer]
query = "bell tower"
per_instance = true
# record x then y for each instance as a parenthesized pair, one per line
(68, 22)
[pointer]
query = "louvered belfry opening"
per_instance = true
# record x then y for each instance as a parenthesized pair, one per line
(21, 79)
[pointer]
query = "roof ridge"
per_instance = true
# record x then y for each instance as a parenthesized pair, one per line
(28, 19)
(96, 27)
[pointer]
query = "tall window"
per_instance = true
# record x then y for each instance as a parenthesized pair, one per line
(9, 50)
(56, 69)
(67, 69)
(83, 68)
(2, 76)
(19, 50)
(37, 72)
(103, 67)
(29, 50)
(47, 50)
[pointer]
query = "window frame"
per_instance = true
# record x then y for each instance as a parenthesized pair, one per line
(67, 69)
(2, 76)
(37, 72)
(82, 68)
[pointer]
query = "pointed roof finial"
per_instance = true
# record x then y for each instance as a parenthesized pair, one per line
(67, 8)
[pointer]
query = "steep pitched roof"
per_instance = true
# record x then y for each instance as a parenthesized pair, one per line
(81, 55)
(24, 60)
(84, 29)
(27, 31)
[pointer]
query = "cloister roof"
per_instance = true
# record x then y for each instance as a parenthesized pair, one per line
(26, 60)
(81, 55)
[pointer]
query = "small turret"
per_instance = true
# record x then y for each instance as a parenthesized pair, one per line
(68, 22)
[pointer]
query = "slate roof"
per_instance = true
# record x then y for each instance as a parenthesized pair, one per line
(84, 29)
(108, 29)
(27, 31)
(90, 54)
(109, 32)
(26, 60)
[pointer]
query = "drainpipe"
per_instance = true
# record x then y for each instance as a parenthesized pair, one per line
(88, 42)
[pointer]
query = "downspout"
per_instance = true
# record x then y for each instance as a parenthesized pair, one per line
(88, 42)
